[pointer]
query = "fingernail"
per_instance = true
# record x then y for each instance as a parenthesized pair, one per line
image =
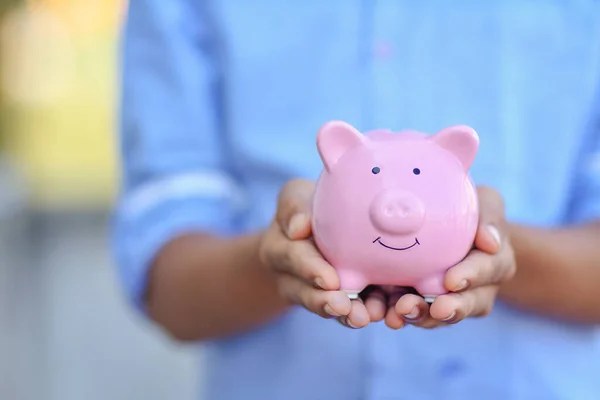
(346, 322)
(495, 234)
(330, 311)
(414, 314)
(461, 286)
(319, 282)
(450, 317)
(297, 222)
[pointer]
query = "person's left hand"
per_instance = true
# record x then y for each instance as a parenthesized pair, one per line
(474, 282)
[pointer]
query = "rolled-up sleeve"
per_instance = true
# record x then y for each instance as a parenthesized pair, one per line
(175, 176)
(585, 197)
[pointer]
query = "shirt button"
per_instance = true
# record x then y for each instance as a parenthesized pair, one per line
(383, 49)
(452, 368)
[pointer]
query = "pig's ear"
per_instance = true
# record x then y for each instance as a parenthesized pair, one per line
(460, 140)
(334, 139)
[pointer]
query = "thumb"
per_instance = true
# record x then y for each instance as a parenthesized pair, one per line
(492, 223)
(294, 208)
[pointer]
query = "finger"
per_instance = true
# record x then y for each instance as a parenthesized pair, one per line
(454, 307)
(321, 302)
(411, 308)
(393, 321)
(491, 230)
(293, 208)
(391, 294)
(358, 317)
(299, 227)
(414, 310)
(376, 304)
(301, 259)
(478, 269)
(488, 238)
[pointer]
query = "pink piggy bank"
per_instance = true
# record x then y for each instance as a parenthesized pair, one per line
(395, 208)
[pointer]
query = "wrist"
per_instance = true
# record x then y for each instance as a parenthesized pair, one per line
(555, 273)
(208, 287)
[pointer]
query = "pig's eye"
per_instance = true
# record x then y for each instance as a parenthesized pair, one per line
(376, 170)
(416, 171)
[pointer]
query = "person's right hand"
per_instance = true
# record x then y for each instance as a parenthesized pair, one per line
(303, 276)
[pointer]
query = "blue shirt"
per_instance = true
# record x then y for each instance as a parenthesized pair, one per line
(221, 104)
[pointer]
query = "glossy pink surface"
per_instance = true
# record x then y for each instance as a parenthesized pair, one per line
(395, 208)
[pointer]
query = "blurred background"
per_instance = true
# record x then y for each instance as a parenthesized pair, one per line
(66, 332)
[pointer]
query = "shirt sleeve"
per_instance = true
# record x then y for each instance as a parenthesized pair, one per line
(175, 177)
(585, 197)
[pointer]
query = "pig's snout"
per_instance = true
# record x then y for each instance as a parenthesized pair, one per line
(397, 212)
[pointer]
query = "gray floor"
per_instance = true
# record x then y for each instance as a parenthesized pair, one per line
(65, 333)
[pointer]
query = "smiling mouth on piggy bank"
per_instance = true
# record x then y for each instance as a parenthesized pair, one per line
(378, 240)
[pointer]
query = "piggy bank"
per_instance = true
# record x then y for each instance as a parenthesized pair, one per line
(395, 208)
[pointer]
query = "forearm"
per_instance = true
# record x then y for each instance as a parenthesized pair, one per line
(558, 272)
(202, 287)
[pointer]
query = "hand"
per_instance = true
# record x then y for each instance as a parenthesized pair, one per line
(474, 282)
(302, 275)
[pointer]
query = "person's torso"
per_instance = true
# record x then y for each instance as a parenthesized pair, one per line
(523, 74)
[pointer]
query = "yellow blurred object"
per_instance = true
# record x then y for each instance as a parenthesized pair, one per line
(59, 80)
(83, 17)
